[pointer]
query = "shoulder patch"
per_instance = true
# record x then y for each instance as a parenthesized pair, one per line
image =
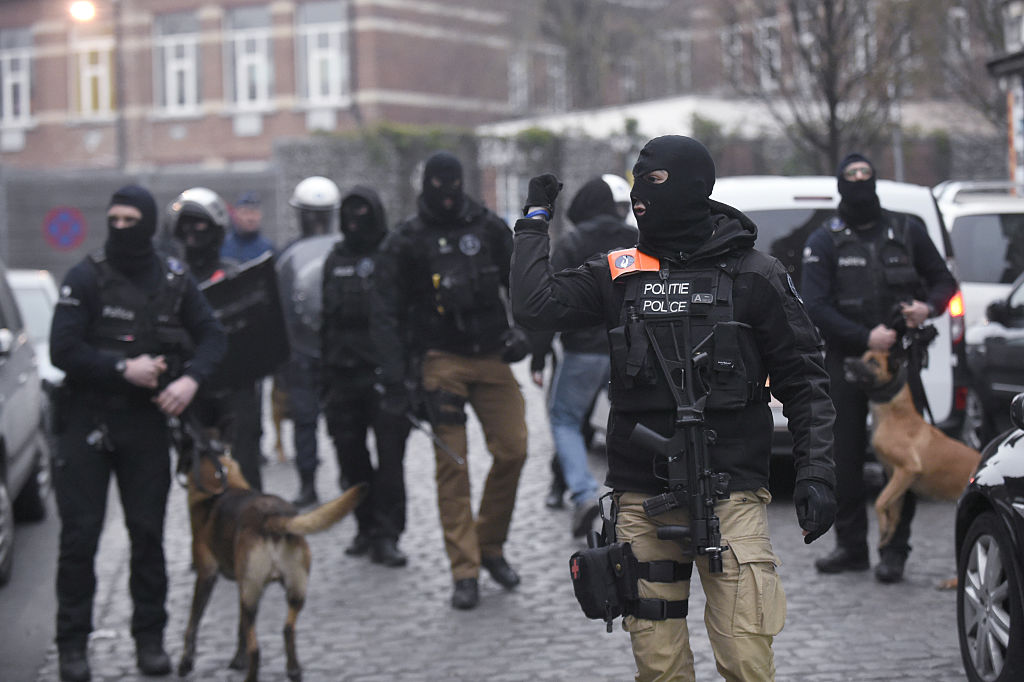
(627, 261)
(836, 224)
(175, 265)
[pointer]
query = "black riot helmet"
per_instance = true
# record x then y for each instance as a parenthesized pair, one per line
(362, 219)
(199, 219)
(442, 185)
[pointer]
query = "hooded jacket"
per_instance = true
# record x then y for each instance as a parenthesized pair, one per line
(763, 298)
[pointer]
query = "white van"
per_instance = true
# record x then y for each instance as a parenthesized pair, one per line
(787, 209)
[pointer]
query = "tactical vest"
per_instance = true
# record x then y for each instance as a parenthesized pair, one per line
(133, 321)
(348, 280)
(662, 302)
(465, 282)
(872, 276)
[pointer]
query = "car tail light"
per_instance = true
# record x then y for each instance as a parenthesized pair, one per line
(956, 315)
(960, 398)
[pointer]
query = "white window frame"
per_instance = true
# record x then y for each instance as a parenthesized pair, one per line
(732, 53)
(258, 61)
(958, 30)
(769, 53)
(102, 73)
(865, 44)
(558, 80)
(188, 65)
(333, 59)
(20, 80)
(518, 80)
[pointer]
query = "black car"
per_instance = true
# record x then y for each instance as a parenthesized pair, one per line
(995, 358)
(990, 567)
(24, 453)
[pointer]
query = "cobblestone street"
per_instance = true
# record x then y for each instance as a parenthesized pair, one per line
(364, 623)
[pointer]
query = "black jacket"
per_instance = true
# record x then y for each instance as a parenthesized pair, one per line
(597, 235)
(88, 367)
(763, 297)
(818, 282)
(407, 318)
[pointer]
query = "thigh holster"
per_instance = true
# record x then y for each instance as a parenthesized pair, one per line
(604, 580)
(445, 408)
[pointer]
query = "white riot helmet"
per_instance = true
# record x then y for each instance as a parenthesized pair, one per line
(620, 194)
(316, 200)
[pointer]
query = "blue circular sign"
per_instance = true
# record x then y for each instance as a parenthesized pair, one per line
(64, 228)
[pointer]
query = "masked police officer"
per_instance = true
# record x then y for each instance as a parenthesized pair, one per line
(122, 312)
(351, 403)
(199, 219)
(446, 266)
(858, 269)
(694, 269)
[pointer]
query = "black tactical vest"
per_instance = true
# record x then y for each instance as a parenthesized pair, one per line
(348, 280)
(133, 321)
(465, 282)
(664, 302)
(872, 276)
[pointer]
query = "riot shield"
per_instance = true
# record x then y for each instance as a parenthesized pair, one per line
(249, 307)
(300, 278)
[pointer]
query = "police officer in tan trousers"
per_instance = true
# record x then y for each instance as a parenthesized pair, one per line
(438, 302)
(694, 281)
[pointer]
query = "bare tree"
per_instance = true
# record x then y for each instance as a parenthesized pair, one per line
(973, 34)
(827, 70)
(580, 26)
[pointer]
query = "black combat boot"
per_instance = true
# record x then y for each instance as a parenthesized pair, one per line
(307, 490)
(74, 665)
(466, 594)
(844, 559)
(890, 566)
(385, 551)
(499, 569)
(151, 658)
(553, 500)
(360, 545)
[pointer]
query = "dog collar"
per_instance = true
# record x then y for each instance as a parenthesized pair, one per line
(888, 390)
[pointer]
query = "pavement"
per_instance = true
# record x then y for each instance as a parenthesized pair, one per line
(368, 623)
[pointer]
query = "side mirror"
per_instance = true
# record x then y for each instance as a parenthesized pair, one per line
(998, 311)
(6, 341)
(1017, 411)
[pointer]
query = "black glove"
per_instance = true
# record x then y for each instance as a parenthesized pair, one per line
(394, 399)
(815, 508)
(542, 192)
(515, 345)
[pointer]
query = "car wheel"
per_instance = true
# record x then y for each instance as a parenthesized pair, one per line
(6, 534)
(30, 505)
(976, 431)
(988, 605)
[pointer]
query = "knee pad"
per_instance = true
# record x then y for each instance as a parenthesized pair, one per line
(446, 408)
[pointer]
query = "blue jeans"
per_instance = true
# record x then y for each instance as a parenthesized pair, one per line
(577, 380)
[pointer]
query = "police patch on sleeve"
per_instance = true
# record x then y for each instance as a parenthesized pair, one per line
(469, 244)
(364, 268)
(66, 297)
(836, 224)
(624, 261)
(810, 256)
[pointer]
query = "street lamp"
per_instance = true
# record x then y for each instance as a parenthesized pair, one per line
(85, 11)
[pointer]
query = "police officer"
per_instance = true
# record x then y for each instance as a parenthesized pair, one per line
(198, 219)
(120, 310)
(446, 267)
(351, 404)
(858, 268)
(694, 268)
(316, 200)
(245, 241)
(584, 367)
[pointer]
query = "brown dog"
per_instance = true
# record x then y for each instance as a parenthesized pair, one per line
(917, 455)
(254, 539)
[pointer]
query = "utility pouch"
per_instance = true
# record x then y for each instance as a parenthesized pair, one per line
(604, 580)
(728, 389)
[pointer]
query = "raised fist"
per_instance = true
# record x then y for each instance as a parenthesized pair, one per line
(542, 192)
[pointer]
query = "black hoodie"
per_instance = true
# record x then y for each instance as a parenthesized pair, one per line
(763, 298)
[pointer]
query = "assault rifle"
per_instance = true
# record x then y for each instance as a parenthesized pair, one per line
(691, 482)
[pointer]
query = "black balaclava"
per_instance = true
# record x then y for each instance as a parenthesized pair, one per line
(446, 169)
(202, 247)
(363, 231)
(594, 199)
(677, 216)
(130, 249)
(859, 203)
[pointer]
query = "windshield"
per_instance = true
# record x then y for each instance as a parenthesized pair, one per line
(989, 248)
(783, 232)
(37, 310)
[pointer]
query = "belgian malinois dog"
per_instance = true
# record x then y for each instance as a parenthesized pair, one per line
(253, 539)
(916, 454)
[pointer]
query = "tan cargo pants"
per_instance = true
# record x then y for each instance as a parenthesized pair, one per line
(746, 606)
(487, 384)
